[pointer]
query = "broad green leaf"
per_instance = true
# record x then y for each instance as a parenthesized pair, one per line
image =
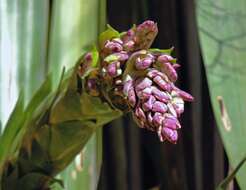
(41, 39)
(15, 127)
(71, 32)
(12, 128)
(38, 102)
(94, 109)
(62, 141)
(75, 25)
(23, 46)
(223, 185)
(222, 29)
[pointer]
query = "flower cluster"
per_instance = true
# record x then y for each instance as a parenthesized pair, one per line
(156, 102)
(116, 52)
(143, 78)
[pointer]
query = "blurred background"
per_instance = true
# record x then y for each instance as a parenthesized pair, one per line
(38, 37)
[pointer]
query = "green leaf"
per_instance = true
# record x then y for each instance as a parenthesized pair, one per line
(15, 127)
(61, 142)
(95, 56)
(12, 128)
(37, 103)
(40, 95)
(108, 35)
(161, 51)
(222, 36)
(70, 36)
(94, 109)
(223, 185)
(67, 108)
(30, 181)
(1, 128)
(46, 42)
(111, 58)
(27, 42)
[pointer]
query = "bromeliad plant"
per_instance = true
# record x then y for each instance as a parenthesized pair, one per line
(120, 75)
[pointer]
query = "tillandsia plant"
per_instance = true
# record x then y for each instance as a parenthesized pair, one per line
(119, 75)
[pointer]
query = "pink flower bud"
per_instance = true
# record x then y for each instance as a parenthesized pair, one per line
(145, 34)
(162, 84)
(160, 95)
(140, 114)
(122, 56)
(92, 87)
(178, 105)
(127, 86)
(170, 134)
(149, 118)
(152, 73)
(130, 33)
(112, 69)
(147, 26)
(112, 46)
(171, 110)
(159, 107)
(85, 64)
(186, 96)
(171, 122)
(143, 83)
(176, 66)
(91, 84)
(88, 57)
(129, 46)
(144, 63)
(132, 97)
(168, 69)
(144, 94)
(165, 58)
(139, 122)
(158, 119)
(117, 40)
(149, 103)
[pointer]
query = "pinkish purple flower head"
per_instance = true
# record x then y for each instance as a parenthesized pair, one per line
(144, 79)
(158, 103)
(152, 95)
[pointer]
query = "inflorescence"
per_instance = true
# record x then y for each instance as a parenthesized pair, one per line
(143, 78)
